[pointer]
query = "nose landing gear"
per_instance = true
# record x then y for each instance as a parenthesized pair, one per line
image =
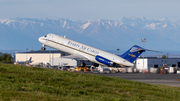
(43, 48)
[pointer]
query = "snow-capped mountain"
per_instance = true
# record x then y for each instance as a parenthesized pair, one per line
(22, 33)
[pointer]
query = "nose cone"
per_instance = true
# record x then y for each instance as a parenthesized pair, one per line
(41, 39)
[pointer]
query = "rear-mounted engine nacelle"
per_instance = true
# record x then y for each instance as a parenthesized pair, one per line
(104, 60)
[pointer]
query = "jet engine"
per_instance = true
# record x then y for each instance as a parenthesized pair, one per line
(104, 60)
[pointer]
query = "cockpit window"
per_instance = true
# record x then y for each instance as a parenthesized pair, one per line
(45, 36)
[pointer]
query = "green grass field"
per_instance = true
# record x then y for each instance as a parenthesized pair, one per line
(19, 83)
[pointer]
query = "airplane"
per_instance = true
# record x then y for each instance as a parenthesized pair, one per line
(23, 62)
(85, 52)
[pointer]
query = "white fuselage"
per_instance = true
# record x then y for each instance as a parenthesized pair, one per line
(74, 47)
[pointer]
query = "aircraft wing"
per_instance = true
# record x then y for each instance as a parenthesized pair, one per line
(75, 56)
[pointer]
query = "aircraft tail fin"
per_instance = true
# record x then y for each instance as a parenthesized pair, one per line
(30, 60)
(133, 53)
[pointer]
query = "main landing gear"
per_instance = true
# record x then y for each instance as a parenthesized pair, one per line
(96, 65)
(83, 64)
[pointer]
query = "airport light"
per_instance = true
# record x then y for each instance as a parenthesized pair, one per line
(143, 40)
(118, 50)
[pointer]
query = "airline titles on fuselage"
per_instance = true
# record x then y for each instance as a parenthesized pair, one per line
(83, 48)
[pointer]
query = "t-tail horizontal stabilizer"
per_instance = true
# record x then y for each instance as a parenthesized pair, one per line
(153, 50)
(133, 53)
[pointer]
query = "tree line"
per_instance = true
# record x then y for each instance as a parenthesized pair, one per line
(5, 58)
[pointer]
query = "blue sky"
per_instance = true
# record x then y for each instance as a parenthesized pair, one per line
(90, 9)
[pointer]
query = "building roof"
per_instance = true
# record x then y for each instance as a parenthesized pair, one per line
(43, 51)
(155, 58)
(147, 57)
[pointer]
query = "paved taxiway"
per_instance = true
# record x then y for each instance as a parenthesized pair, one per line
(162, 79)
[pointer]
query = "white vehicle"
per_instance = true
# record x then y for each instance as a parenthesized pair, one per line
(104, 70)
(85, 52)
(113, 70)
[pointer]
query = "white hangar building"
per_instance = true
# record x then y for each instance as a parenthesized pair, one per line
(46, 56)
(149, 62)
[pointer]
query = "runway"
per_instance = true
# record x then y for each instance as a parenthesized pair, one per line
(161, 79)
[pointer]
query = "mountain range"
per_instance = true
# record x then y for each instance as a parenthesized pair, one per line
(23, 33)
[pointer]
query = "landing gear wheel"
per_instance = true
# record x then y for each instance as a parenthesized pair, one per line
(43, 48)
(96, 65)
(82, 64)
